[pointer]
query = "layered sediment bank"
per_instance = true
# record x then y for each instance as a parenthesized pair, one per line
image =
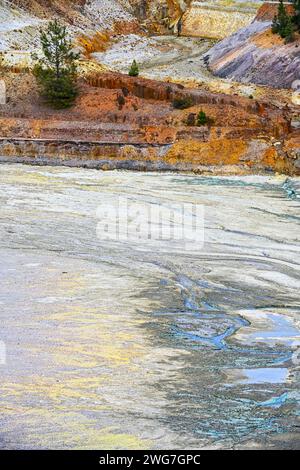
(217, 20)
(125, 122)
(216, 155)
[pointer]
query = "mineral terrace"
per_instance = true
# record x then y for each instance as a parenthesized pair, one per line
(226, 61)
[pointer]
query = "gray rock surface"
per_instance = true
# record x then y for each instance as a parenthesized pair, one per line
(241, 58)
(236, 40)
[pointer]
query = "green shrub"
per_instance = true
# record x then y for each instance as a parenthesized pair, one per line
(296, 17)
(289, 31)
(202, 119)
(182, 103)
(134, 70)
(283, 24)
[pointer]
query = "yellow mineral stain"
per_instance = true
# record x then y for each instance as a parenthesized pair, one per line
(215, 152)
(117, 441)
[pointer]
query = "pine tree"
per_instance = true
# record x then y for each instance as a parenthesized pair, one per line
(280, 21)
(56, 71)
(275, 26)
(296, 17)
(134, 69)
(289, 30)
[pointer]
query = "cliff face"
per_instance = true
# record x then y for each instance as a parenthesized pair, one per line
(146, 132)
(247, 134)
(254, 54)
(20, 20)
(73, 11)
(214, 19)
(217, 19)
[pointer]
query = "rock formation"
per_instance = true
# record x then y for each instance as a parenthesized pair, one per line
(125, 122)
(216, 19)
(146, 132)
(254, 54)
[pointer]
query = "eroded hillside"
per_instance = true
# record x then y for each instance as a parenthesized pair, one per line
(258, 131)
(18, 19)
(218, 19)
(254, 54)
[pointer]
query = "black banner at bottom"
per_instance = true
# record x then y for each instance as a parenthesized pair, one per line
(143, 459)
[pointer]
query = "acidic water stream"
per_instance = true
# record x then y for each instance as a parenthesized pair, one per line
(118, 344)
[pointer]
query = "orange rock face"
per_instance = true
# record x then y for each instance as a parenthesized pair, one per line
(215, 152)
(96, 43)
(268, 10)
(125, 119)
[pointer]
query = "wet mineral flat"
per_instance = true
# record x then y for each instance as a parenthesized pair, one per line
(123, 344)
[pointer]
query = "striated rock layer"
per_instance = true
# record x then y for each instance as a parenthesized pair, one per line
(253, 54)
(216, 20)
(119, 121)
(219, 156)
(144, 131)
